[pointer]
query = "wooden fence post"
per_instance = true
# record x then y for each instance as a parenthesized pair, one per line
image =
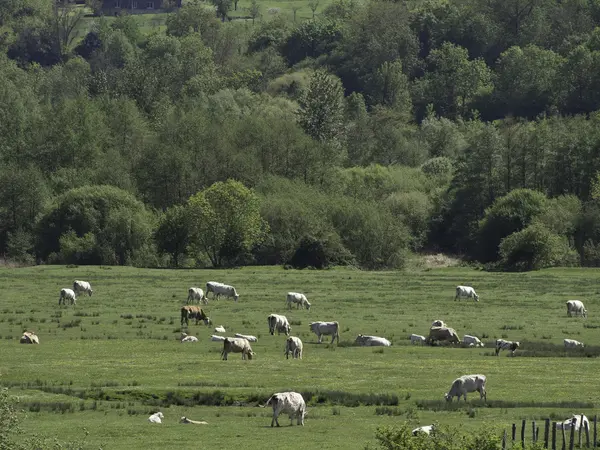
(504, 441)
(595, 429)
(587, 435)
(514, 432)
(580, 430)
(523, 433)
(572, 440)
(553, 435)
(546, 432)
(533, 431)
(564, 445)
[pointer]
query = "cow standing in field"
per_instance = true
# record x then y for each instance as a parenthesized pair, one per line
(372, 341)
(438, 334)
(417, 339)
(501, 344)
(297, 298)
(466, 292)
(278, 323)
(572, 343)
(29, 337)
(576, 308)
(294, 346)
(237, 345)
(82, 287)
(467, 383)
(67, 294)
(193, 312)
(326, 328)
(576, 421)
(291, 403)
(472, 341)
(219, 289)
(195, 293)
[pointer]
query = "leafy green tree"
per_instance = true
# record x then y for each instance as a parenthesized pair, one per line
(322, 108)
(225, 222)
(222, 7)
(172, 233)
(389, 87)
(311, 39)
(254, 10)
(193, 17)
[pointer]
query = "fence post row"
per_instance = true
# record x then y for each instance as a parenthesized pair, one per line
(549, 425)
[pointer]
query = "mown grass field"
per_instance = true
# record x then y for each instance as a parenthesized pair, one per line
(108, 362)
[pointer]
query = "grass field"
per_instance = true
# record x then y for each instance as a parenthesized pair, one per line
(108, 362)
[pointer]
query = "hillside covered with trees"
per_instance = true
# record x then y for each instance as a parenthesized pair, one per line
(374, 130)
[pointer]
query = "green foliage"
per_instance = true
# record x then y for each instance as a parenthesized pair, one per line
(311, 39)
(225, 222)
(100, 224)
(320, 253)
(439, 167)
(534, 248)
(172, 233)
(507, 215)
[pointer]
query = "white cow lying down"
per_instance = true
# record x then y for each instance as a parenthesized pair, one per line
(572, 343)
(248, 337)
(290, 403)
(417, 339)
(195, 422)
(217, 338)
(29, 337)
(426, 429)
(220, 329)
(574, 420)
(372, 341)
(472, 341)
(187, 338)
(156, 417)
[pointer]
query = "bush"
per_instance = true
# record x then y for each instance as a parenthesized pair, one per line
(535, 248)
(320, 253)
(440, 167)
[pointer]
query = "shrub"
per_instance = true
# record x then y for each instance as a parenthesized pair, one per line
(320, 253)
(535, 248)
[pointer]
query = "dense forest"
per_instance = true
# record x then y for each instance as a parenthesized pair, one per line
(374, 130)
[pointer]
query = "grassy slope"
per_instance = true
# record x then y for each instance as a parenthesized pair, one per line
(122, 341)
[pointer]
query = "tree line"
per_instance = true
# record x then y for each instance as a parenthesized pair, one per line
(374, 130)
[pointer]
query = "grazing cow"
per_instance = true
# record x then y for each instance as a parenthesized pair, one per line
(220, 329)
(248, 337)
(193, 312)
(438, 334)
(371, 341)
(29, 337)
(575, 421)
(67, 294)
(427, 429)
(294, 346)
(466, 292)
(195, 422)
(299, 299)
(219, 289)
(472, 341)
(237, 345)
(186, 338)
(216, 338)
(156, 417)
(467, 383)
(278, 323)
(572, 343)
(195, 293)
(576, 308)
(438, 323)
(501, 344)
(326, 328)
(82, 286)
(417, 339)
(290, 403)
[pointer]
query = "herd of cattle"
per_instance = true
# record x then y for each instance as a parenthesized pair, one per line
(292, 403)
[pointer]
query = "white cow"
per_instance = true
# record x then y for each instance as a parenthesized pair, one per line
(576, 308)
(467, 383)
(29, 337)
(187, 338)
(439, 323)
(372, 341)
(466, 292)
(290, 403)
(326, 328)
(248, 337)
(237, 345)
(220, 329)
(576, 421)
(572, 343)
(297, 298)
(195, 293)
(195, 422)
(156, 417)
(67, 294)
(278, 323)
(501, 344)
(82, 286)
(216, 338)
(427, 429)
(294, 346)
(219, 289)
(472, 341)
(417, 339)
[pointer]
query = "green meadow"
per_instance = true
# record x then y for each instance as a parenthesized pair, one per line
(108, 362)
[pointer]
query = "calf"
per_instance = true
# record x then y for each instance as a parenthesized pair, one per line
(290, 403)
(501, 344)
(237, 345)
(294, 346)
